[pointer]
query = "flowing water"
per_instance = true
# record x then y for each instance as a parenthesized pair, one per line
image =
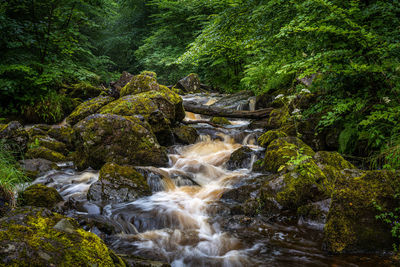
(185, 222)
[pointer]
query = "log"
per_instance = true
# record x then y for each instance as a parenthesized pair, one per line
(229, 113)
(203, 121)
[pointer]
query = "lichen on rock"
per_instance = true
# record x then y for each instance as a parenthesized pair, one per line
(39, 196)
(29, 237)
(44, 153)
(87, 108)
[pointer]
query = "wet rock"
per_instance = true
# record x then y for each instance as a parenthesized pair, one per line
(122, 81)
(39, 196)
(64, 225)
(48, 142)
(352, 225)
(185, 134)
(241, 158)
(36, 167)
(14, 136)
(314, 215)
(133, 260)
(189, 84)
(28, 235)
(44, 153)
(220, 121)
(88, 108)
(118, 184)
(281, 150)
(105, 138)
(238, 100)
(265, 139)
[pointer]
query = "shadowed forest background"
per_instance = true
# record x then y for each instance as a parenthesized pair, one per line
(52, 49)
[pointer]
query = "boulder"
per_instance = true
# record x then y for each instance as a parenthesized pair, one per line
(14, 136)
(266, 138)
(36, 167)
(283, 149)
(352, 225)
(38, 237)
(88, 108)
(63, 133)
(149, 73)
(7, 200)
(220, 121)
(122, 81)
(240, 158)
(83, 91)
(44, 153)
(189, 84)
(105, 138)
(139, 84)
(39, 196)
(38, 129)
(118, 184)
(48, 142)
(185, 134)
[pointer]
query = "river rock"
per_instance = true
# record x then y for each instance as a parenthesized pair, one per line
(105, 138)
(189, 84)
(266, 138)
(14, 136)
(29, 235)
(48, 142)
(122, 81)
(281, 150)
(35, 167)
(240, 158)
(118, 184)
(83, 91)
(139, 84)
(220, 121)
(185, 134)
(44, 153)
(63, 133)
(352, 225)
(88, 108)
(39, 196)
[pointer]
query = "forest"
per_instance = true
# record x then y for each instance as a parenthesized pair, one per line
(327, 72)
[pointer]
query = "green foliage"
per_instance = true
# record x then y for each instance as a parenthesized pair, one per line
(10, 175)
(300, 162)
(391, 217)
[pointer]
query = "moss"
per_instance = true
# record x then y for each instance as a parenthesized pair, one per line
(64, 134)
(311, 211)
(281, 150)
(138, 84)
(28, 237)
(149, 73)
(278, 117)
(48, 142)
(306, 183)
(265, 139)
(118, 184)
(44, 153)
(185, 134)
(220, 121)
(39, 196)
(83, 90)
(351, 224)
(87, 108)
(110, 138)
(130, 105)
(333, 159)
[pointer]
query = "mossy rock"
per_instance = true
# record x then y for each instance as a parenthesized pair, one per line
(48, 142)
(123, 140)
(14, 136)
(281, 150)
(140, 83)
(35, 167)
(39, 196)
(44, 153)
(185, 134)
(149, 73)
(37, 237)
(38, 129)
(7, 201)
(88, 108)
(63, 134)
(220, 121)
(266, 138)
(83, 91)
(333, 159)
(278, 117)
(118, 184)
(352, 225)
(306, 183)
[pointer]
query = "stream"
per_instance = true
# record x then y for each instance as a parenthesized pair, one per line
(187, 221)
